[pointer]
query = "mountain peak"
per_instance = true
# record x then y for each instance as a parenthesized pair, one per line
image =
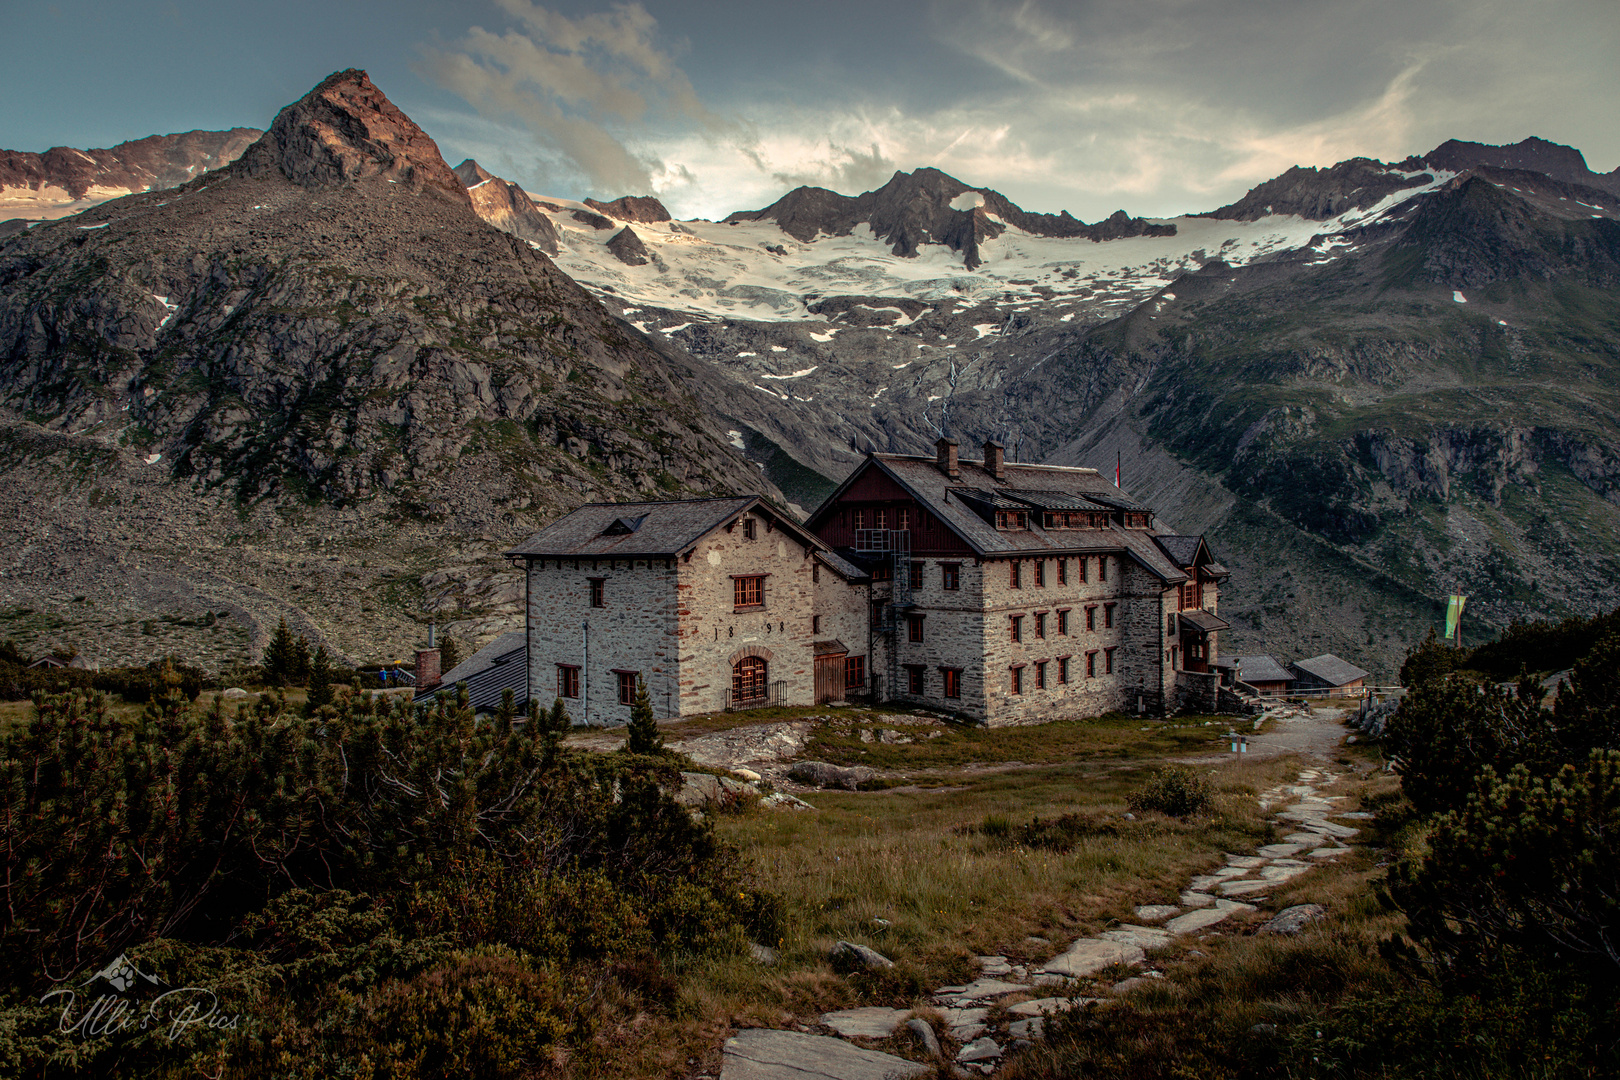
(645, 209)
(469, 172)
(1530, 155)
(345, 130)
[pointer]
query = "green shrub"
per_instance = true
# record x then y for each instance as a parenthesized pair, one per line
(1176, 791)
(383, 890)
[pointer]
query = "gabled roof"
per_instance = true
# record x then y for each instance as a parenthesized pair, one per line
(948, 500)
(1183, 549)
(630, 530)
(501, 665)
(1253, 669)
(1331, 670)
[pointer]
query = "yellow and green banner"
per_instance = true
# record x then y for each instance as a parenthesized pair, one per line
(1454, 610)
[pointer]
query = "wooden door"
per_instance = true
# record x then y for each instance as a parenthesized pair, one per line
(829, 678)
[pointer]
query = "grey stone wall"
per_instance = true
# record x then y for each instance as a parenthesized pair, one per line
(953, 636)
(713, 634)
(844, 614)
(634, 630)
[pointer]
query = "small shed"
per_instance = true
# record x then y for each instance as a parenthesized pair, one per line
(1266, 674)
(1328, 672)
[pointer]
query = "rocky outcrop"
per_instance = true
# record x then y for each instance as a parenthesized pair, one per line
(628, 248)
(1532, 155)
(641, 208)
(346, 130)
(158, 161)
(1319, 194)
(507, 207)
(1476, 231)
(931, 207)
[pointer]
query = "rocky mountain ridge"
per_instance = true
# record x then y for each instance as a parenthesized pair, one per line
(320, 348)
(506, 206)
(63, 180)
(931, 207)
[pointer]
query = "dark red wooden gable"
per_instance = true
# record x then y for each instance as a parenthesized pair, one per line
(873, 490)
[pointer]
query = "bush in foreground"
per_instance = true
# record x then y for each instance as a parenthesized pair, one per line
(1176, 791)
(371, 891)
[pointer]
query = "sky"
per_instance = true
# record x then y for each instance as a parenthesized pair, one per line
(1156, 107)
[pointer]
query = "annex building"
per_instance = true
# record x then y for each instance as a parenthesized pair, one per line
(1001, 592)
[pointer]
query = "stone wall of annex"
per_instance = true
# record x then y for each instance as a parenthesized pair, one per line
(714, 634)
(844, 612)
(633, 630)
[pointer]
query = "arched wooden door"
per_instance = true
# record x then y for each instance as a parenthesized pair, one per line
(749, 679)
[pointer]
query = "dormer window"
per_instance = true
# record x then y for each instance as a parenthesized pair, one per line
(1011, 520)
(624, 526)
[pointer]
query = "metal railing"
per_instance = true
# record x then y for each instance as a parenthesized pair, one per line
(770, 695)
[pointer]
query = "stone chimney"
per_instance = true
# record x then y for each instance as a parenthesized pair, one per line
(945, 451)
(995, 460)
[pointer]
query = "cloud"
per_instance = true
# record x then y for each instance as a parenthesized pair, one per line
(571, 81)
(1157, 107)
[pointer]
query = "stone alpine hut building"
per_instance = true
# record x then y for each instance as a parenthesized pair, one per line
(1002, 592)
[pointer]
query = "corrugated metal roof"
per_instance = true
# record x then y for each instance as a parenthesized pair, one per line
(501, 665)
(1055, 500)
(1331, 670)
(997, 500)
(1118, 500)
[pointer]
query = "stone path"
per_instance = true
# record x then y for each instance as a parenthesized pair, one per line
(1208, 900)
(1319, 834)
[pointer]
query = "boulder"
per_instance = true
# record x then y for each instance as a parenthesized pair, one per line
(762, 954)
(924, 1034)
(1293, 920)
(823, 775)
(848, 956)
(983, 1048)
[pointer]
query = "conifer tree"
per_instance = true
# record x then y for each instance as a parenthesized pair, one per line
(320, 680)
(281, 656)
(301, 661)
(449, 654)
(643, 736)
(553, 725)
